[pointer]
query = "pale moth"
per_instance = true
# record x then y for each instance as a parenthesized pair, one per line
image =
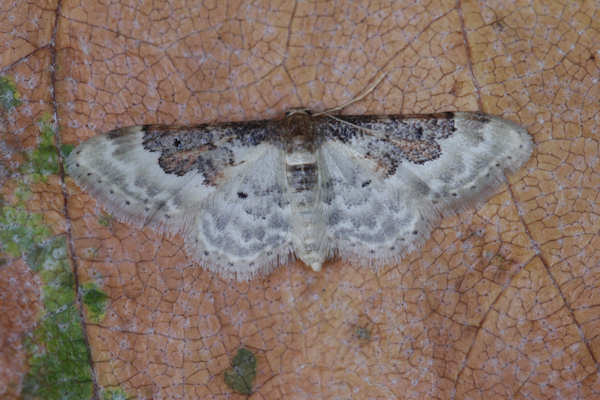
(249, 196)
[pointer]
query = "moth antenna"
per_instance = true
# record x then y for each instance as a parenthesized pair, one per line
(362, 128)
(357, 98)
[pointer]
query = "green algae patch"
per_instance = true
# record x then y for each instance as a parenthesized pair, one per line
(43, 160)
(66, 149)
(114, 394)
(362, 333)
(9, 96)
(105, 220)
(21, 233)
(59, 366)
(240, 376)
(95, 301)
(58, 354)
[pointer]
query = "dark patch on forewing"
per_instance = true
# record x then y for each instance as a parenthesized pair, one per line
(394, 138)
(206, 149)
(120, 132)
(411, 127)
(419, 151)
(479, 117)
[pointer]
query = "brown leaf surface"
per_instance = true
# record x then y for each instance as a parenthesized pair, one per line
(503, 301)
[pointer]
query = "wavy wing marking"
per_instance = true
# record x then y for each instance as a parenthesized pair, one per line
(389, 179)
(215, 184)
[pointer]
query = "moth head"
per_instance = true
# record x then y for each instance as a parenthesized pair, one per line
(298, 111)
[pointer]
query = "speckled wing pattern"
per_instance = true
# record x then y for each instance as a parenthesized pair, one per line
(391, 178)
(381, 182)
(220, 186)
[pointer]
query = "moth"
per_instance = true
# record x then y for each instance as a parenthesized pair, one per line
(249, 196)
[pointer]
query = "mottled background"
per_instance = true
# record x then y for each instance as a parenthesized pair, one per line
(501, 302)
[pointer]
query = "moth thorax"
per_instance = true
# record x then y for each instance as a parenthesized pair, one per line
(300, 143)
(302, 170)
